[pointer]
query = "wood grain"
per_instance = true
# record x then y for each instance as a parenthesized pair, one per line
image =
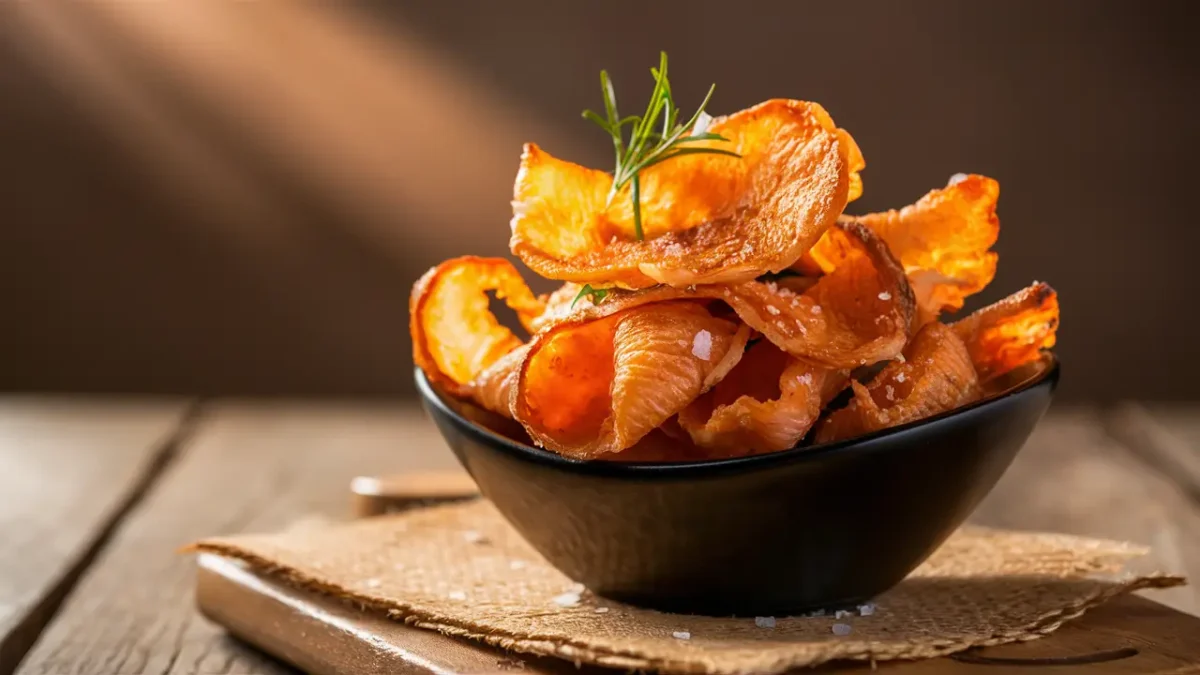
(1166, 437)
(68, 469)
(1072, 477)
(247, 467)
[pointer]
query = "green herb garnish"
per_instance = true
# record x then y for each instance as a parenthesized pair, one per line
(648, 144)
(596, 294)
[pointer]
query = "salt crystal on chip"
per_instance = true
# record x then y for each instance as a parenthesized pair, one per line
(681, 635)
(764, 621)
(772, 310)
(885, 296)
(702, 345)
(517, 565)
(602, 610)
(456, 595)
(899, 377)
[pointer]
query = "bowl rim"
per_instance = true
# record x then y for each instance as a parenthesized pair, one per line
(868, 442)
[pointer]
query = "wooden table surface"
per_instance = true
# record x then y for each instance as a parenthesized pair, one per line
(96, 495)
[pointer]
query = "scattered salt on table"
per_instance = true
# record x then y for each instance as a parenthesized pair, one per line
(681, 635)
(567, 599)
(841, 629)
(867, 609)
(764, 621)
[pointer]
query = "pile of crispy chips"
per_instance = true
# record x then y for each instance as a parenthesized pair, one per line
(754, 315)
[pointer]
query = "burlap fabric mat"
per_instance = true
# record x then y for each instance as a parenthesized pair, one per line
(461, 570)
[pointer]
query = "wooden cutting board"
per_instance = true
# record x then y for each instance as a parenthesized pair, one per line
(326, 636)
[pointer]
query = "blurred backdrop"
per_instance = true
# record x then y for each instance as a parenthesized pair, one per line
(228, 197)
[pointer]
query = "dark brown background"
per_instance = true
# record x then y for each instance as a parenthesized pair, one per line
(235, 197)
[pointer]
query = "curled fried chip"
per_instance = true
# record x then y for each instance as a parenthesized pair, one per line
(456, 338)
(590, 387)
(859, 313)
(1011, 332)
(942, 241)
(936, 375)
(706, 218)
(768, 402)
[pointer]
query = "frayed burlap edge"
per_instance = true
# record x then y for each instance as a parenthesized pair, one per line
(634, 660)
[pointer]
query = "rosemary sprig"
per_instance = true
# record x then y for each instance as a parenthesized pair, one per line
(596, 294)
(649, 144)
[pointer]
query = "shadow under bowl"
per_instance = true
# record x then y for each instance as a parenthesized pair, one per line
(818, 527)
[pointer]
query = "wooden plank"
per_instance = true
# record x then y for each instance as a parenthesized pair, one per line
(1130, 635)
(1072, 477)
(1166, 437)
(68, 469)
(247, 468)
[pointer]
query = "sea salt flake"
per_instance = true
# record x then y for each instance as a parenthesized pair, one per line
(764, 621)
(602, 610)
(900, 377)
(841, 629)
(517, 565)
(456, 595)
(867, 609)
(681, 635)
(885, 296)
(702, 345)
(842, 614)
(891, 392)
(805, 378)
(816, 309)
(567, 599)
(772, 310)
(956, 179)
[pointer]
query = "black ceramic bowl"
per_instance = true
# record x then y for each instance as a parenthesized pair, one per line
(820, 527)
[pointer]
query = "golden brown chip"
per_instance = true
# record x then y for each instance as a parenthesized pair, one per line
(1012, 332)
(456, 338)
(936, 375)
(942, 241)
(592, 387)
(859, 313)
(706, 218)
(768, 402)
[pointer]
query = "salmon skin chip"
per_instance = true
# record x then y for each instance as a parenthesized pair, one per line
(1011, 332)
(457, 341)
(942, 241)
(767, 403)
(706, 218)
(859, 313)
(591, 387)
(936, 375)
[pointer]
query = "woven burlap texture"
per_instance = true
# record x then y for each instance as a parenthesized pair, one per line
(462, 570)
